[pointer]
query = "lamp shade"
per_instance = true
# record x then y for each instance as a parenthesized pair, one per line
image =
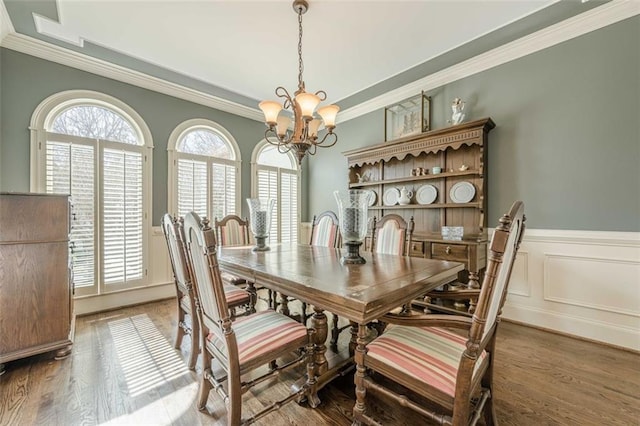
(313, 127)
(271, 109)
(328, 114)
(282, 124)
(307, 103)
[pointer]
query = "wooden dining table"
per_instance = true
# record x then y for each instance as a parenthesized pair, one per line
(360, 293)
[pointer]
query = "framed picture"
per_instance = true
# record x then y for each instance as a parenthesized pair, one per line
(406, 118)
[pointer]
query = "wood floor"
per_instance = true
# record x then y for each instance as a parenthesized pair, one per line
(124, 371)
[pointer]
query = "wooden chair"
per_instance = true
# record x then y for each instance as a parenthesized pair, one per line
(174, 234)
(232, 230)
(391, 235)
(421, 354)
(242, 345)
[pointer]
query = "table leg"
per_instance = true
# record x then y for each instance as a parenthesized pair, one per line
(319, 324)
(359, 408)
(284, 302)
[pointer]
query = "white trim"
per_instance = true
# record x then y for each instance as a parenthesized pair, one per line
(40, 49)
(118, 299)
(599, 17)
(173, 155)
(6, 26)
(596, 18)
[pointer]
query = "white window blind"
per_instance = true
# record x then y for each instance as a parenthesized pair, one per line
(289, 206)
(223, 190)
(70, 170)
(192, 187)
(122, 216)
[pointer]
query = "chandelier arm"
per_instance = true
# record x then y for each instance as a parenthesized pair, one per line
(322, 141)
(322, 95)
(270, 134)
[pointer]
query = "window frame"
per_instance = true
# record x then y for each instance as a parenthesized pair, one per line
(174, 155)
(42, 120)
(255, 167)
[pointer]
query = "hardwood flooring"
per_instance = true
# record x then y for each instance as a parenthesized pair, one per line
(124, 371)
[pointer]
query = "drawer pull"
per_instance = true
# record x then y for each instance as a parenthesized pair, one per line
(448, 250)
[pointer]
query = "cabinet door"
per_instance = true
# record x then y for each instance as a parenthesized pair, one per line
(34, 296)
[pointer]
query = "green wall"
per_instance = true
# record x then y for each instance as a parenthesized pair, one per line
(567, 136)
(25, 81)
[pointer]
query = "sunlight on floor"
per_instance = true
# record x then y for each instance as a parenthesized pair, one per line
(146, 358)
(161, 412)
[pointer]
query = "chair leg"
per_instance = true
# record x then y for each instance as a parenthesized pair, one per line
(180, 328)
(335, 331)
(195, 342)
(303, 315)
(489, 412)
(253, 297)
(234, 402)
(205, 384)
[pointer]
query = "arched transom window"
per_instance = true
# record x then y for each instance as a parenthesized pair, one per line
(93, 147)
(204, 160)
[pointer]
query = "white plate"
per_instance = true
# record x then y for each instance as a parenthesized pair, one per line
(390, 197)
(372, 197)
(462, 192)
(426, 194)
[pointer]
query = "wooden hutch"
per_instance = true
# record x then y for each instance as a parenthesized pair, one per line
(461, 153)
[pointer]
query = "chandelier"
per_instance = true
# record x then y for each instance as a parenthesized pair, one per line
(304, 136)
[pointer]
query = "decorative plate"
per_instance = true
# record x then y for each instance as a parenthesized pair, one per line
(390, 197)
(373, 197)
(462, 192)
(426, 194)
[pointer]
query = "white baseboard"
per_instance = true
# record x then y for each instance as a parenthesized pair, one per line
(105, 302)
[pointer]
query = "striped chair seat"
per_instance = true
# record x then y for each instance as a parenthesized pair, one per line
(430, 354)
(261, 333)
(236, 296)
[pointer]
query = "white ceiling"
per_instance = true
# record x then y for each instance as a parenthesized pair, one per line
(250, 47)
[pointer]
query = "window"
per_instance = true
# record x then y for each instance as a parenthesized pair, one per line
(94, 148)
(276, 175)
(204, 164)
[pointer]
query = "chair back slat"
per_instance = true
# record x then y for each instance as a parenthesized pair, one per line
(392, 235)
(325, 230)
(232, 230)
(503, 248)
(206, 273)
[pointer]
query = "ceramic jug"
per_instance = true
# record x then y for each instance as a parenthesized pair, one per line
(405, 196)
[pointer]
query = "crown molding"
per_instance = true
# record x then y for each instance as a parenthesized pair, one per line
(610, 13)
(60, 55)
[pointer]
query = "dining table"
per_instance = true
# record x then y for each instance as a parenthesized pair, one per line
(360, 293)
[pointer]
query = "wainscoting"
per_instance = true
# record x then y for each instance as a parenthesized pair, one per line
(582, 283)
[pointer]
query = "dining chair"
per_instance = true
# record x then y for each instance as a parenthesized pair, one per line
(325, 232)
(173, 230)
(420, 352)
(391, 235)
(232, 230)
(242, 345)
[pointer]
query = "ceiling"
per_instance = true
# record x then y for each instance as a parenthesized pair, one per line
(248, 48)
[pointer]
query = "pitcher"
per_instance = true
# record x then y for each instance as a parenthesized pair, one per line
(405, 196)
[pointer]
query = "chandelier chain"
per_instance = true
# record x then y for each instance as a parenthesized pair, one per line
(300, 64)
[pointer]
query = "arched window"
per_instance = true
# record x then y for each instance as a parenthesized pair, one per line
(94, 148)
(276, 175)
(204, 164)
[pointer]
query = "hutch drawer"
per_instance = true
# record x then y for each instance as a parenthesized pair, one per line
(447, 251)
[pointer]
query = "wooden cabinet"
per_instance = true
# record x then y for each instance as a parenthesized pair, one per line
(36, 292)
(460, 153)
